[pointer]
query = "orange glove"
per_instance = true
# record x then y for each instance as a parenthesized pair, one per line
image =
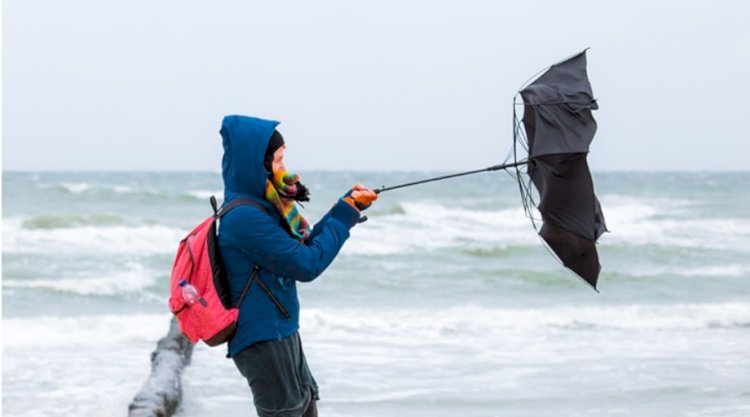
(360, 197)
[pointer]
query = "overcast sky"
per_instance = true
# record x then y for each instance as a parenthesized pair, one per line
(378, 85)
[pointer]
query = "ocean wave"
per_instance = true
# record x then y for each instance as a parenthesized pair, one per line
(425, 226)
(722, 234)
(99, 330)
(495, 251)
(409, 327)
(123, 189)
(134, 279)
(130, 191)
(49, 221)
(465, 321)
(708, 271)
(204, 195)
(396, 209)
(74, 187)
(109, 239)
(103, 190)
(428, 226)
(669, 222)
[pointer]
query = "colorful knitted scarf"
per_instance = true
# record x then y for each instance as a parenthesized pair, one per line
(280, 191)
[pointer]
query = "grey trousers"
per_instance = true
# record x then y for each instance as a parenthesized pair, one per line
(279, 378)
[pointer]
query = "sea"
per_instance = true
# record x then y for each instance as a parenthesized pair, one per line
(445, 302)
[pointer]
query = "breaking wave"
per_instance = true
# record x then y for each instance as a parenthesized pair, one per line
(74, 187)
(406, 326)
(204, 194)
(633, 222)
(92, 239)
(132, 280)
(50, 221)
(105, 190)
(662, 222)
(474, 320)
(427, 226)
(99, 330)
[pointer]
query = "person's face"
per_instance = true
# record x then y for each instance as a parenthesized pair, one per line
(278, 159)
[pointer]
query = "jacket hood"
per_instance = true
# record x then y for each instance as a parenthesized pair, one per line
(245, 140)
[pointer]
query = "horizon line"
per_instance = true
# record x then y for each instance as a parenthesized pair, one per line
(218, 171)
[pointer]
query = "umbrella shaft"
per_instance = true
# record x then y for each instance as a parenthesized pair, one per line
(444, 177)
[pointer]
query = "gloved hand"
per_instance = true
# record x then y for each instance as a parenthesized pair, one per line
(360, 197)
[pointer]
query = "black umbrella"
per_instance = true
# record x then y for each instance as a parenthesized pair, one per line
(559, 128)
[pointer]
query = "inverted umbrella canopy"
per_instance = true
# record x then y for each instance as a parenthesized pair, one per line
(559, 128)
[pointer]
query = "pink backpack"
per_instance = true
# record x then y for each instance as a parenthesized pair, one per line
(211, 317)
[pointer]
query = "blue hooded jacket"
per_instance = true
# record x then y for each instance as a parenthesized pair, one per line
(249, 236)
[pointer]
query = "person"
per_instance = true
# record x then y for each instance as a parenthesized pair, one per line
(266, 347)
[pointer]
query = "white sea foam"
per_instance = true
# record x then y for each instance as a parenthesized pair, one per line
(96, 188)
(100, 330)
(407, 326)
(711, 271)
(130, 189)
(75, 187)
(204, 194)
(83, 366)
(123, 189)
(470, 321)
(641, 221)
(732, 234)
(733, 270)
(393, 356)
(143, 239)
(407, 356)
(632, 221)
(427, 226)
(132, 280)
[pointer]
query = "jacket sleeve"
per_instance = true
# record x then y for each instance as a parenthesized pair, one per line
(319, 226)
(259, 237)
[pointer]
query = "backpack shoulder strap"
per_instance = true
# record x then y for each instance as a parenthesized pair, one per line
(254, 276)
(242, 201)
